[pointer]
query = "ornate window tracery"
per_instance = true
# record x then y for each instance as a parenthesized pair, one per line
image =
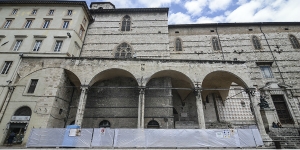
(178, 45)
(215, 43)
(294, 42)
(123, 51)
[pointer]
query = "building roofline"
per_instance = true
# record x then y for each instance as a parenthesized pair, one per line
(233, 24)
(164, 9)
(82, 3)
(102, 3)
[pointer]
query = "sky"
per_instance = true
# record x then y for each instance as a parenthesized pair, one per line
(219, 11)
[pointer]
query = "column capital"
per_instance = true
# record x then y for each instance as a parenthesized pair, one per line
(250, 91)
(84, 87)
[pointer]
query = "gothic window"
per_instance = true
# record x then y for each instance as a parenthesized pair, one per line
(153, 124)
(104, 124)
(256, 42)
(123, 51)
(126, 21)
(294, 42)
(215, 43)
(178, 45)
(23, 111)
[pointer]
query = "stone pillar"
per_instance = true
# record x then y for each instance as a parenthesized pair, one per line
(258, 118)
(81, 105)
(200, 112)
(141, 108)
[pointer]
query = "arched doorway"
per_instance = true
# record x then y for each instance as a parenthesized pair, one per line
(225, 101)
(113, 95)
(18, 124)
(104, 124)
(153, 124)
(169, 99)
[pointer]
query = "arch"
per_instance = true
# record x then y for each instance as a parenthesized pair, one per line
(153, 124)
(178, 44)
(72, 76)
(23, 111)
(111, 73)
(104, 124)
(220, 80)
(126, 23)
(123, 50)
(256, 42)
(178, 79)
(294, 42)
(215, 43)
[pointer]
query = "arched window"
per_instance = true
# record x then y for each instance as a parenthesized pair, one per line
(23, 111)
(153, 124)
(123, 51)
(126, 23)
(256, 42)
(294, 42)
(104, 124)
(178, 45)
(215, 43)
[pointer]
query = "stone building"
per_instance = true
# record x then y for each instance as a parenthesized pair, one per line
(46, 29)
(136, 71)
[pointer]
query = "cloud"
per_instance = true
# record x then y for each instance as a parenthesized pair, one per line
(195, 7)
(211, 20)
(157, 3)
(241, 2)
(244, 13)
(179, 18)
(215, 5)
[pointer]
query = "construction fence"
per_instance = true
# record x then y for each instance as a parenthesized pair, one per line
(143, 138)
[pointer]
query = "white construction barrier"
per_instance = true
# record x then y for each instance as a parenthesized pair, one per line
(145, 138)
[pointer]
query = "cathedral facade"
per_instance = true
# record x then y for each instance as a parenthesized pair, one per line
(130, 69)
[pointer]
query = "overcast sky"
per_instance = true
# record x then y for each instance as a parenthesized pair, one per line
(222, 11)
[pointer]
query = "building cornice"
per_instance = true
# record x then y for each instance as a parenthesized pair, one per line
(30, 2)
(132, 10)
(233, 24)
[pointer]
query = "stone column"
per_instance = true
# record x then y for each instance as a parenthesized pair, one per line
(257, 115)
(81, 105)
(200, 112)
(141, 108)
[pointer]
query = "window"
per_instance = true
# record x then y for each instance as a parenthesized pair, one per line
(28, 23)
(178, 45)
(81, 31)
(51, 12)
(6, 67)
(37, 45)
(32, 86)
(123, 51)
(294, 41)
(266, 70)
(58, 45)
(256, 42)
(84, 21)
(7, 23)
(65, 25)
(34, 12)
(17, 45)
(14, 11)
(69, 12)
(126, 23)
(46, 24)
(215, 43)
(153, 124)
(104, 124)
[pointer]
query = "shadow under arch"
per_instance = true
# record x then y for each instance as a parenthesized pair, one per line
(181, 82)
(110, 74)
(23, 111)
(219, 82)
(73, 78)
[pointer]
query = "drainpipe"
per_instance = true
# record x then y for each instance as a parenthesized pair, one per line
(220, 41)
(272, 53)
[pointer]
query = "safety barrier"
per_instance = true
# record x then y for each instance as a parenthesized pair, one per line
(144, 138)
